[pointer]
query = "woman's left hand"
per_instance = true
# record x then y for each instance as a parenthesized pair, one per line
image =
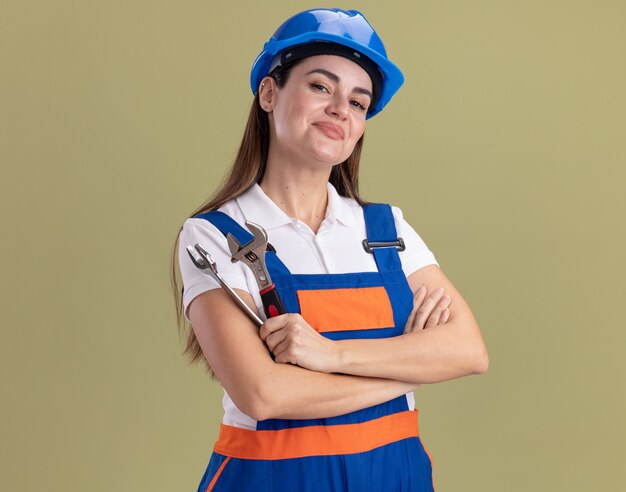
(293, 341)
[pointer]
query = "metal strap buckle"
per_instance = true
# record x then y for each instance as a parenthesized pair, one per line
(370, 247)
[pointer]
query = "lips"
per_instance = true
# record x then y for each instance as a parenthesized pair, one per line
(331, 131)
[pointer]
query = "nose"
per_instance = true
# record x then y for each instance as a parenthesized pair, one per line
(338, 107)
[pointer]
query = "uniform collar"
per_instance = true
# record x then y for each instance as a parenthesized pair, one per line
(338, 207)
(259, 208)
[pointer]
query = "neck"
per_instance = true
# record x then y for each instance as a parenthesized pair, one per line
(300, 191)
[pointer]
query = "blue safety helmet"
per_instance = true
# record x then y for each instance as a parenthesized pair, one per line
(334, 32)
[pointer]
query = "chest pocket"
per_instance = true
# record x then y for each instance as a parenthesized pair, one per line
(346, 309)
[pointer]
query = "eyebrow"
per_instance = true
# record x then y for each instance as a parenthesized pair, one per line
(336, 79)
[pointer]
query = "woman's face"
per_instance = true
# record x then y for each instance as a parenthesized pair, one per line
(319, 114)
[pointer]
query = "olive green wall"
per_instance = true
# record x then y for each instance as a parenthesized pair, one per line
(505, 149)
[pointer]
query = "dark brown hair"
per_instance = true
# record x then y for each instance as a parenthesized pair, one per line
(247, 169)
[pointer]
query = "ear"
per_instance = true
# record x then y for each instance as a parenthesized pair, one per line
(267, 93)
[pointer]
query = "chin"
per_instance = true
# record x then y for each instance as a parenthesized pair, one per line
(331, 157)
(330, 161)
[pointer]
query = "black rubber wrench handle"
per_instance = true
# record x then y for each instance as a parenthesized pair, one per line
(272, 305)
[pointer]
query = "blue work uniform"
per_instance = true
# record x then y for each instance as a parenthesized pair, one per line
(373, 449)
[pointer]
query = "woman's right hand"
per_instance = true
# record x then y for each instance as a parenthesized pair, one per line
(428, 311)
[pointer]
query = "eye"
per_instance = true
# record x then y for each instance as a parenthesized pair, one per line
(318, 87)
(358, 105)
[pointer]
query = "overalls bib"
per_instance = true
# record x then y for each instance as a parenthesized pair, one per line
(374, 449)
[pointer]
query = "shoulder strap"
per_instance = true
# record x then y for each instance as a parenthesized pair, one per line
(382, 238)
(227, 225)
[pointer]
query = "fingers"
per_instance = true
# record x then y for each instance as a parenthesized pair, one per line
(436, 316)
(279, 332)
(419, 297)
(428, 311)
(273, 325)
(427, 307)
(283, 353)
(275, 339)
(292, 340)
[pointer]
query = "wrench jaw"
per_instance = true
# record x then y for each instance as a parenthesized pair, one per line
(207, 258)
(196, 257)
(257, 245)
(258, 232)
(234, 247)
(252, 253)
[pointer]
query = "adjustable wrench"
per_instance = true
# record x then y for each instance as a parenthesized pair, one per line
(253, 255)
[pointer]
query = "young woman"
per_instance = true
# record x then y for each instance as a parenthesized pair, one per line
(320, 398)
